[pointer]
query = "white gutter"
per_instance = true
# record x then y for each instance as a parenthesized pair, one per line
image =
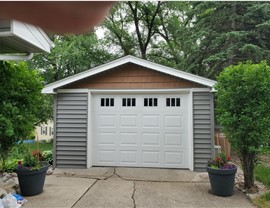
(17, 57)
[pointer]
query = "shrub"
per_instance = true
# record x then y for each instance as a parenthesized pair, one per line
(243, 110)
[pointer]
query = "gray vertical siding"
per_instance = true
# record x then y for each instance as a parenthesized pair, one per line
(71, 130)
(202, 129)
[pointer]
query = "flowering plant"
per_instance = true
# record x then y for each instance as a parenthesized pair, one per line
(221, 162)
(31, 161)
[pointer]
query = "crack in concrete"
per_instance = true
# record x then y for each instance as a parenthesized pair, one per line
(120, 176)
(132, 196)
(85, 193)
(127, 179)
(134, 187)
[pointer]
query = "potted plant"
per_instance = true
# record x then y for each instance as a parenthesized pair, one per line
(221, 174)
(31, 173)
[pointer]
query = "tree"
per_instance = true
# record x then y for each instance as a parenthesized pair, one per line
(243, 107)
(72, 54)
(227, 33)
(131, 25)
(21, 104)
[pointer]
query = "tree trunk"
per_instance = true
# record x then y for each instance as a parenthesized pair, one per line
(248, 167)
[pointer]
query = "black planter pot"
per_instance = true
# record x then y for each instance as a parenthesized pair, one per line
(32, 182)
(222, 181)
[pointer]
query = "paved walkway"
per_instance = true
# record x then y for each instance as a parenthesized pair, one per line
(131, 187)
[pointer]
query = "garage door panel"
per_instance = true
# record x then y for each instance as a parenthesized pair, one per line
(174, 158)
(150, 157)
(106, 138)
(106, 156)
(129, 120)
(173, 121)
(128, 138)
(151, 120)
(150, 138)
(173, 139)
(139, 135)
(106, 120)
(128, 157)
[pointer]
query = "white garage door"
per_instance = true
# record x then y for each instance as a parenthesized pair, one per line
(141, 130)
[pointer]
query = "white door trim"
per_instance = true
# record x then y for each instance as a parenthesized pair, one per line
(92, 92)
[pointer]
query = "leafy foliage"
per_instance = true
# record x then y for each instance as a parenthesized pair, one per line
(221, 162)
(71, 55)
(198, 37)
(48, 156)
(243, 107)
(20, 103)
(228, 33)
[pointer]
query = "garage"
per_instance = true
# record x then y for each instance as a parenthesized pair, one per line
(141, 130)
(132, 112)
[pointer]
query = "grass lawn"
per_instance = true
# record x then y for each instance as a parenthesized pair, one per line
(42, 146)
(263, 201)
(262, 173)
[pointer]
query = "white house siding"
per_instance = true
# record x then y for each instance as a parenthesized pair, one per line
(44, 131)
(70, 130)
(202, 129)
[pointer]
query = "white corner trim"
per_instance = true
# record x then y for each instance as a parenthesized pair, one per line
(124, 60)
(191, 136)
(89, 151)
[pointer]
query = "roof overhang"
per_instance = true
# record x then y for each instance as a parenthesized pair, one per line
(50, 88)
(21, 38)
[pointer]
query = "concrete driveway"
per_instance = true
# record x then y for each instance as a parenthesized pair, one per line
(131, 187)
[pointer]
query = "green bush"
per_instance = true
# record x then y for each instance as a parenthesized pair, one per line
(243, 110)
(48, 156)
(9, 165)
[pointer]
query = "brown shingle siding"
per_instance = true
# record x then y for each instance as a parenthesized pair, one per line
(131, 76)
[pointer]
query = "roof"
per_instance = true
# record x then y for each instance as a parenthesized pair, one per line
(19, 37)
(49, 89)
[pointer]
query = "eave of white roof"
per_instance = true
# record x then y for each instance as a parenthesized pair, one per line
(19, 37)
(49, 89)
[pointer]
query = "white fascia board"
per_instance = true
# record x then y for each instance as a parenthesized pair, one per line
(124, 60)
(32, 35)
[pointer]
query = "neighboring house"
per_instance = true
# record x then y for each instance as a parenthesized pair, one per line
(44, 131)
(135, 113)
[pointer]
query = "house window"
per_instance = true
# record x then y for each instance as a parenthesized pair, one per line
(128, 102)
(43, 130)
(107, 102)
(173, 102)
(51, 131)
(150, 102)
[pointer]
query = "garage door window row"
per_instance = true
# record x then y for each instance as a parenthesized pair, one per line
(107, 102)
(128, 102)
(173, 102)
(148, 102)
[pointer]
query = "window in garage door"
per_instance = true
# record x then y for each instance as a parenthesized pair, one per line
(128, 102)
(150, 102)
(107, 102)
(173, 102)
